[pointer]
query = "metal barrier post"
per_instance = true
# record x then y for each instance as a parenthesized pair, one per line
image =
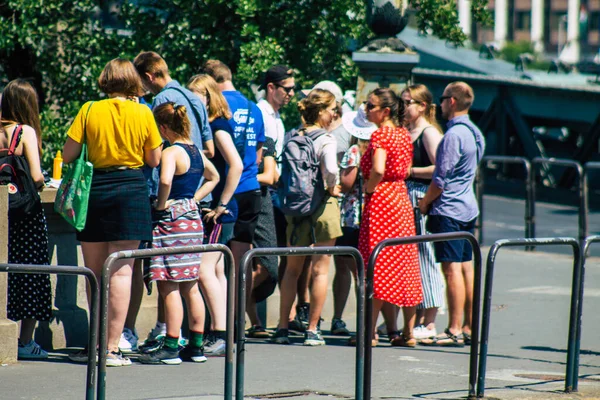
(586, 246)
(480, 180)
(145, 253)
(582, 205)
(90, 390)
(301, 251)
(438, 237)
(487, 303)
(586, 195)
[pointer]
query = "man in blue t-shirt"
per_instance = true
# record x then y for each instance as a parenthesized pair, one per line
(248, 135)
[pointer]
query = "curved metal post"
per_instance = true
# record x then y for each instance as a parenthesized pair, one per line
(301, 251)
(582, 205)
(438, 237)
(480, 180)
(586, 246)
(146, 253)
(90, 390)
(487, 303)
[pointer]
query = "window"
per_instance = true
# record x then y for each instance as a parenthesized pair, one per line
(523, 20)
(594, 21)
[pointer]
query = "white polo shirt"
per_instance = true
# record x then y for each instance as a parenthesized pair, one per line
(273, 127)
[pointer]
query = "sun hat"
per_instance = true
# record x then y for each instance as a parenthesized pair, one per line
(357, 124)
(333, 88)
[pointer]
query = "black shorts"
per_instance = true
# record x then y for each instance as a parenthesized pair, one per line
(453, 250)
(248, 210)
(349, 237)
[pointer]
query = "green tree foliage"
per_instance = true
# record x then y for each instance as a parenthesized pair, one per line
(62, 45)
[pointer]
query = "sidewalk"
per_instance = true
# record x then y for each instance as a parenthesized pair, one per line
(527, 354)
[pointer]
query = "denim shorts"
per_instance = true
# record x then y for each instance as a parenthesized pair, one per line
(453, 250)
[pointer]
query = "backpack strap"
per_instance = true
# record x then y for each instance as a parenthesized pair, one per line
(196, 113)
(474, 138)
(15, 139)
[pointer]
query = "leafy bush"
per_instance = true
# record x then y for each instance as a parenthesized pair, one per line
(512, 50)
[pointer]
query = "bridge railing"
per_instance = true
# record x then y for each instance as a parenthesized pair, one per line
(532, 167)
(480, 187)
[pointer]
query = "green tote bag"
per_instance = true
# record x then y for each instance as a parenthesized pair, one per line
(74, 192)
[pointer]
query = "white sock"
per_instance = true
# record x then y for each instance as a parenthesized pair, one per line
(161, 327)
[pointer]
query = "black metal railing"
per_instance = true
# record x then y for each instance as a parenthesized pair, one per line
(301, 251)
(93, 331)
(440, 237)
(146, 253)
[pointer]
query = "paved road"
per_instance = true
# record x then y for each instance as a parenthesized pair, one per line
(527, 346)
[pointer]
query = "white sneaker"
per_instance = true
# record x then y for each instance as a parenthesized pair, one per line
(129, 341)
(421, 332)
(31, 351)
(117, 360)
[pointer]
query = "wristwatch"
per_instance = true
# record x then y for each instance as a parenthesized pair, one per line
(223, 205)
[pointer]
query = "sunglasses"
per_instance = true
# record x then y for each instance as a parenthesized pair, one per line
(286, 89)
(442, 98)
(369, 106)
(409, 102)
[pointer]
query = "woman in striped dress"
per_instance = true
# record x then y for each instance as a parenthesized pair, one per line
(426, 135)
(177, 222)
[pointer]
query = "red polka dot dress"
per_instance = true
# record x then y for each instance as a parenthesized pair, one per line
(388, 214)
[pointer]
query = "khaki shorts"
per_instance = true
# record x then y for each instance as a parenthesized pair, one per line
(322, 226)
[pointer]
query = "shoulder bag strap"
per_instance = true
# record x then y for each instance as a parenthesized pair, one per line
(83, 143)
(15, 139)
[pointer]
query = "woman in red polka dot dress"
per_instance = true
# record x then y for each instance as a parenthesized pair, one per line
(388, 212)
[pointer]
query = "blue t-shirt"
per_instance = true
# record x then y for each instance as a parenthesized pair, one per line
(221, 124)
(254, 134)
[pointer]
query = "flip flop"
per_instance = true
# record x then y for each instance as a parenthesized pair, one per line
(446, 339)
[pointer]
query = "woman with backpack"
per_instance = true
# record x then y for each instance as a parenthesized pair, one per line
(177, 222)
(29, 295)
(388, 212)
(121, 136)
(312, 211)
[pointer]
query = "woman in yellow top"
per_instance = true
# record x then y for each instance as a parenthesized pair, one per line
(121, 136)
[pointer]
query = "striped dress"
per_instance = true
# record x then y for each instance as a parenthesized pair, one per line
(431, 275)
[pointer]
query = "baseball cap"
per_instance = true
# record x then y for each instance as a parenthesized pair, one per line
(333, 88)
(276, 73)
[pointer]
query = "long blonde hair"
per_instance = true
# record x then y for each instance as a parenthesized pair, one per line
(422, 95)
(215, 102)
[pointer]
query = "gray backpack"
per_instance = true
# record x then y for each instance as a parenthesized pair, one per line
(301, 190)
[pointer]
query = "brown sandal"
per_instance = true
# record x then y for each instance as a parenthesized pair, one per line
(374, 341)
(402, 341)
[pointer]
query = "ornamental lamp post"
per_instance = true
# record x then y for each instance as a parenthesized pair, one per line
(385, 61)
